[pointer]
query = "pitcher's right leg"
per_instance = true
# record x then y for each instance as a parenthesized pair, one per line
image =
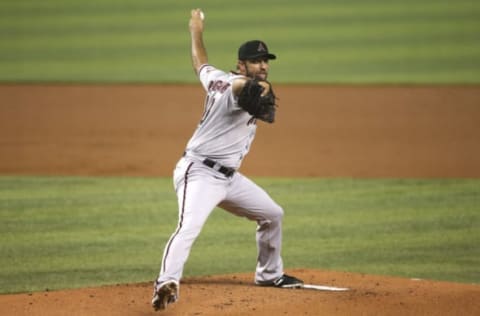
(197, 194)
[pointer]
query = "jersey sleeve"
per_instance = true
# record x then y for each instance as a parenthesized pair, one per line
(209, 73)
(233, 98)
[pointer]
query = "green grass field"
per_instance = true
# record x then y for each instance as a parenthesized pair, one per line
(429, 41)
(63, 232)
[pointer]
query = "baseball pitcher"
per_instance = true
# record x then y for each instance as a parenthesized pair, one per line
(207, 175)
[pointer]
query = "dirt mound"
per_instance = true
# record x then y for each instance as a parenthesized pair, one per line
(236, 295)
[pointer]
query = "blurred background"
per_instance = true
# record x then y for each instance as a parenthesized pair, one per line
(147, 41)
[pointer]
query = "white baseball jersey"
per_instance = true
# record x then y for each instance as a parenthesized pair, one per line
(225, 131)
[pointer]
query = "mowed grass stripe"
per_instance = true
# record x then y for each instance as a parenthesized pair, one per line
(61, 232)
(318, 41)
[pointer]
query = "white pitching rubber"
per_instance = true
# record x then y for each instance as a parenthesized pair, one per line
(323, 287)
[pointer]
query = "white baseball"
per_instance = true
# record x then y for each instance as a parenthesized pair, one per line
(202, 15)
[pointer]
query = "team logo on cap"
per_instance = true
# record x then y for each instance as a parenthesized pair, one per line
(261, 47)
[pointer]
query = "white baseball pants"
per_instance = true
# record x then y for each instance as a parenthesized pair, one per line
(199, 190)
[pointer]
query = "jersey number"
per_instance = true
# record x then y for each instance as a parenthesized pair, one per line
(209, 102)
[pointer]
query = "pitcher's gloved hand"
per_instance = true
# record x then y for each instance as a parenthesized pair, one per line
(258, 99)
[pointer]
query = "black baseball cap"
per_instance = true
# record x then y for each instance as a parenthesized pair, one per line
(254, 49)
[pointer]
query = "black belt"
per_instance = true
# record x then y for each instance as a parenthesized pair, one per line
(228, 172)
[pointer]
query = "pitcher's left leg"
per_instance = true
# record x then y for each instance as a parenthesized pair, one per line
(245, 198)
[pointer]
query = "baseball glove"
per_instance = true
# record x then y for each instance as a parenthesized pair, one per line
(251, 100)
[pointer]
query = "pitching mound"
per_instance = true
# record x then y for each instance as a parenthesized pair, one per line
(236, 295)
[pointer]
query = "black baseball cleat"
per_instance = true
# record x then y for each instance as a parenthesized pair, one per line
(285, 281)
(164, 293)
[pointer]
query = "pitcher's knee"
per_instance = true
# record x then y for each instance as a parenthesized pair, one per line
(189, 233)
(276, 213)
(272, 218)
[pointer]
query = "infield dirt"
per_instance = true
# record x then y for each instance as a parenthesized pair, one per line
(322, 131)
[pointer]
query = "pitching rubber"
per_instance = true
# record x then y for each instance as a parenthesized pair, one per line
(323, 287)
